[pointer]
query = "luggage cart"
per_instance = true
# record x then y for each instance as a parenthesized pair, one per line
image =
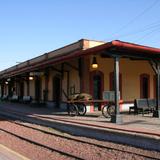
(77, 105)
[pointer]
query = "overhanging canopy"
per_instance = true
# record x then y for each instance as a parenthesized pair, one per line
(123, 49)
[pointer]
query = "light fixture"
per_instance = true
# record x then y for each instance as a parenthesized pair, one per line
(94, 63)
(9, 79)
(6, 82)
(31, 78)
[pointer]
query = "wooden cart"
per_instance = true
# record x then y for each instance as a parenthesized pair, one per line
(78, 107)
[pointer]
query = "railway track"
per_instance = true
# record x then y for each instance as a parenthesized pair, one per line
(41, 145)
(38, 130)
(74, 122)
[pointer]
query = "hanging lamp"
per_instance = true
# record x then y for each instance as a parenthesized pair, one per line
(94, 63)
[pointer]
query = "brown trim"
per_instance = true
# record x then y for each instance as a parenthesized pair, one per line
(144, 75)
(135, 47)
(111, 85)
(127, 102)
(118, 45)
(92, 74)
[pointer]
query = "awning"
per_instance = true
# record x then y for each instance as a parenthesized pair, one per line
(123, 49)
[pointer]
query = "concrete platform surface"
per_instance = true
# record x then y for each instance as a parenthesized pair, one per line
(132, 123)
(8, 154)
(138, 130)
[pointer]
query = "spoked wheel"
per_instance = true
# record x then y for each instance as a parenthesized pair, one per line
(105, 111)
(72, 110)
(81, 108)
(111, 110)
(108, 111)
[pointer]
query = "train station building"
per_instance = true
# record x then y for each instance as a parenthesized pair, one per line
(98, 68)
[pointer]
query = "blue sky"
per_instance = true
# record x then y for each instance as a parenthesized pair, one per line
(29, 28)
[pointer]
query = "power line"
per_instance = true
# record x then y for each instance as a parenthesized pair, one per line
(148, 34)
(146, 28)
(141, 14)
(135, 18)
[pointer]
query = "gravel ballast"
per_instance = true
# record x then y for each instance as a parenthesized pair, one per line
(72, 147)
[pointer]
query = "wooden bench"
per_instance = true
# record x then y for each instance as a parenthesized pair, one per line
(26, 99)
(132, 109)
(14, 98)
(143, 105)
(152, 104)
(4, 97)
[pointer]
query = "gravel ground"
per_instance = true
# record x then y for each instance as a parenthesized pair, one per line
(79, 149)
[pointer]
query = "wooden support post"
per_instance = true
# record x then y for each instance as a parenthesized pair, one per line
(27, 82)
(62, 71)
(117, 118)
(81, 76)
(45, 92)
(2, 89)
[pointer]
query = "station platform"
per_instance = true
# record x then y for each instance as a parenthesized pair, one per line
(8, 154)
(137, 130)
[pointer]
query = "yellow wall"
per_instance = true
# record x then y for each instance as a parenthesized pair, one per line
(52, 73)
(85, 76)
(64, 84)
(131, 71)
(74, 80)
(106, 66)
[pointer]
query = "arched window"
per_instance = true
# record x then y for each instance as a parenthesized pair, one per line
(38, 88)
(96, 85)
(144, 86)
(56, 90)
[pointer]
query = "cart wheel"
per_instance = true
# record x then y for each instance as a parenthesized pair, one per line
(81, 109)
(72, 110)
(105, 111)
(111, 110)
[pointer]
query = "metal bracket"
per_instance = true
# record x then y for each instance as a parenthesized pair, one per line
(70, 65)
(154, 66)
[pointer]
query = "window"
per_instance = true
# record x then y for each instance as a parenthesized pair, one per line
(97, 86)
(144, 86)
